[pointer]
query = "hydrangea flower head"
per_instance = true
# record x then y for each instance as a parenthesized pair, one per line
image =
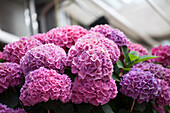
(10, 75)
(111, 33)
(13, 52)
(43, 84)
(65, 36)
(41, 37)
(48, 55)
(97, 92)
(91, 60)
(140, 85)
(97, 39)
(4, 109)
(164, 54)
(1, 55)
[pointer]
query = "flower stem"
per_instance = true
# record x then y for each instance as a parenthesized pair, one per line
(132, 105)
(48, 110)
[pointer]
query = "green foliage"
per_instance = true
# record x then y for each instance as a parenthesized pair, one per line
(107, 109)
(1, 60)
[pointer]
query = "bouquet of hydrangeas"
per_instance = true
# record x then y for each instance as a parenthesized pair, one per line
(74, 70)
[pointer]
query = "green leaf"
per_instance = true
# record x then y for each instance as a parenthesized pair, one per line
(125, 53)
(107, 109)
(83, 108)
(115, 77)
(126, 69)
(1, 60)
(133, 55)
(144, 58)
(119, 64)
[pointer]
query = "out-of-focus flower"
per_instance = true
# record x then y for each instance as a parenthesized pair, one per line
(111, 33)
(43, 84)
(140, 85)
(10, 75)
(4, 109)
(94, 92)
(13, 52)
(1, 55)
(48, 55)
(159, 108)
(164, 54)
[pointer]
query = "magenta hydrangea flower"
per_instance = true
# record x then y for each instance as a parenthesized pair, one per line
(139, 48)
(96, 38)
(48, 55)
(90, 61)
(164, 54)
(140, 85)
(13, 52)
(111, 33)
(10, 75)
(159, 108)
(41, 37)
(94, 92)
(4, 109)
(43, 84)
(1, 55)
(65, 36)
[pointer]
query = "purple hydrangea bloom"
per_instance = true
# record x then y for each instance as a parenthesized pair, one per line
(1, 55)
(139, 48)
(94, 92)
(140, 85)
(90, 60)
(42, 84)
(159, 108)
(65, 36)
(111, 33)
(41, 37)
(48, 55)
(96, 38)
(4, 109)
(10, 75)
(164, 54)
(13, 52)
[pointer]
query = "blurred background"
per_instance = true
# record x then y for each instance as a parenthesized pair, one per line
(143, 21)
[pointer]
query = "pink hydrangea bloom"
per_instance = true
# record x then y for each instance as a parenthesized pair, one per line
(41, 37)
(111, 33)
(90, 59)
(1, 54)
(65, 36)
(48, 55)
(160, 109)
(13, 52)
(140, 85)
(139, 48)
(10, 75)
(111, 47)
(4, 109)
(164, 54)
(43, 84)
(94, 92)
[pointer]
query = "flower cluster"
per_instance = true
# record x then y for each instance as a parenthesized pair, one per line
(90, 61)
(41, 37)
(97, 39)
(42, 84)
(13, 52)
(10, 75)
(140, 85)
(48, 55)
(164, 54)
(1, 55)
(65, 36)
(111, 33)
(94, 92)
(4, 109)
(139, 48)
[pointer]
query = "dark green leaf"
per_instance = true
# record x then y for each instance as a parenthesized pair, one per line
(107, 109)
(125, 53)
(83, 108)
(115, 77)
(1, 60)
(144, 58)
(119, 64)
(133, 55)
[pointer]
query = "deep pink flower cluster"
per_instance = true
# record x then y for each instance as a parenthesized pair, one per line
(42, 84)
(10, 75)
(90, 60)
(13, 52)
(140, 85)
(97, 38)
(94, 92)
(41, 37)
(139, 48)
(1, 55)
(160, 108)
(111, 33)
(164, 54)
(65, 36)
(4, 109)
(48, 55)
